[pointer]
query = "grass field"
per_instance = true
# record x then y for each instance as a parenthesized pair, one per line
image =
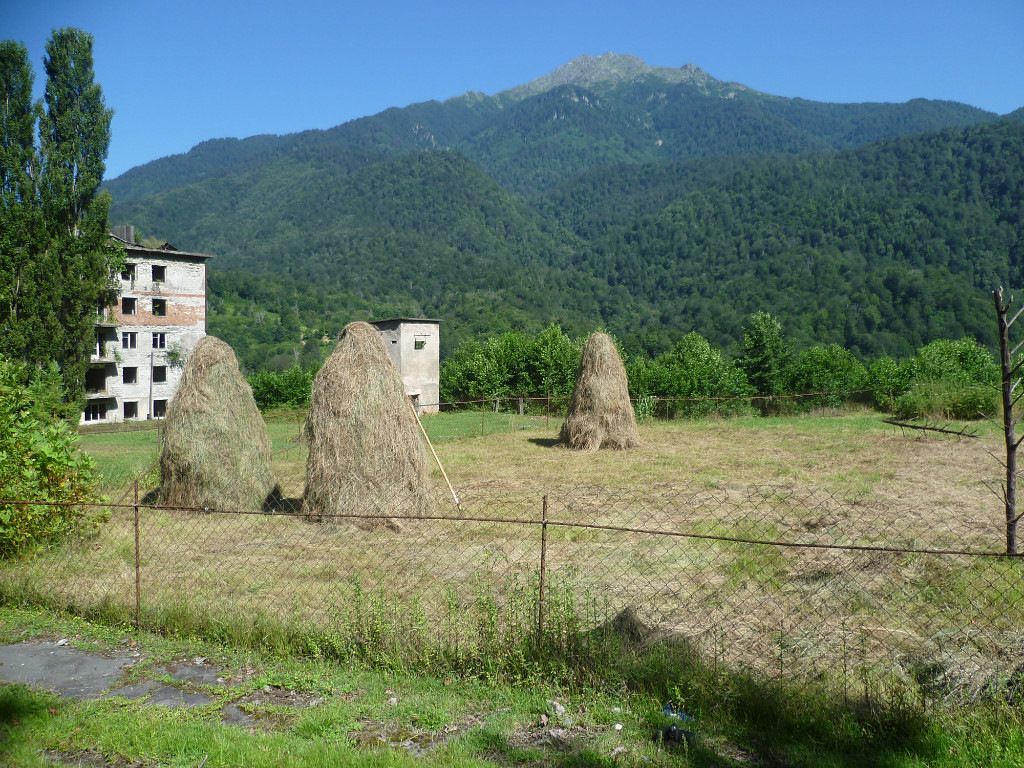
(787, 655)
(620, 535)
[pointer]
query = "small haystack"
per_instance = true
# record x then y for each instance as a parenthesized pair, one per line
(215, 448)
(365, 455)
(600, 414)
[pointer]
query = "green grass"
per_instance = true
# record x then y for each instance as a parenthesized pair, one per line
(122, 456)
(739, 721)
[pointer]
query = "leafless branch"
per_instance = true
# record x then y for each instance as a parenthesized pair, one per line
(945, 429)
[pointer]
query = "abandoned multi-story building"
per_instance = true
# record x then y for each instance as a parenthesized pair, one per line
(414, 346)
(143, 341)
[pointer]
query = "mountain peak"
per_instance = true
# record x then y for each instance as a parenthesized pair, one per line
(608, 69)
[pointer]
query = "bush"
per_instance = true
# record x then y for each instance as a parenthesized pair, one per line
(964, 360)
(289, 388)
(40, 462)
(832, 370)
(697, 376)
(764, 355)
(947, 400)
(887, 380)
(951, 380)
(513, 364)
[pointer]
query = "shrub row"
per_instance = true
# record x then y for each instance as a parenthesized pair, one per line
(949, 379)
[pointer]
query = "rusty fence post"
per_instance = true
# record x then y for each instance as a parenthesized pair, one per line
(138, 569)
(543, 574)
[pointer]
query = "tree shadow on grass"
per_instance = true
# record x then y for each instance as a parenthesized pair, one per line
(738, 719)
(741, 719)
(17, 704)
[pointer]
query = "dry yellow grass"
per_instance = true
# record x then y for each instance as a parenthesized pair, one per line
(600, 414)
(215, 449)
(365, 455)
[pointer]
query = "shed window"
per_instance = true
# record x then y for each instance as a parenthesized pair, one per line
(420, 342)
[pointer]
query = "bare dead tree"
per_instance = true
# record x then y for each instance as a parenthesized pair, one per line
(1010, 385)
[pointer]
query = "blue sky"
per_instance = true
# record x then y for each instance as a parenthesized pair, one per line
(178, 73)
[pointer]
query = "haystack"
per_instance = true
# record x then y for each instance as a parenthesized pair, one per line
(365, 455)
(600, 414)
(215, 448)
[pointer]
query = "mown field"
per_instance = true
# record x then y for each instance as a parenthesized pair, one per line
(835, 554)
(815, 547)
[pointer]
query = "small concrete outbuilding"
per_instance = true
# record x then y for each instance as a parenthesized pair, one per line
(414, 346)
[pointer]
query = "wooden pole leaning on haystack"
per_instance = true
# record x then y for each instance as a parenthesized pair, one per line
(600, 413)
(366, 462)
(430, 445)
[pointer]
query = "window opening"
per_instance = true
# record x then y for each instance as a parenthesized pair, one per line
(159, 307)
(159, 340)
(95, 412)
(159, 273)
(131, 410)
(95, 380)
(129, 340)
(129, 375)
(159, 374)
(127, 306)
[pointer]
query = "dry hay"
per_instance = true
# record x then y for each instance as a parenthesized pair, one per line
(365, 456)
(600, 414)
(215, 451)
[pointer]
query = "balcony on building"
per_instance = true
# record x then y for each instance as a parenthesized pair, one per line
(96, 384)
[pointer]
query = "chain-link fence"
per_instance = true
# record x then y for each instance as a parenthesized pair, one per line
(784, 582)
(512, 413)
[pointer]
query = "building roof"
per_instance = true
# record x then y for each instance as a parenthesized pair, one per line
(163, 251)
(405, 320)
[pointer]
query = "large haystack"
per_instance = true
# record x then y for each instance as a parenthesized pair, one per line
(600, 414)
(215, 448)
(365, 455)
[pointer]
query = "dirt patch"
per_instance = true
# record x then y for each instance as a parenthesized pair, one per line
(276, 696)
(377, 735)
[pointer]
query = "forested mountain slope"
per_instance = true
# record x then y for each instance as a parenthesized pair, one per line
(647, 203)
(880, 249)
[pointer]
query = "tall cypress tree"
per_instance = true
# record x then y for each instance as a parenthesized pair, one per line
(54, 226)
(74, 131)
(21, 219)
